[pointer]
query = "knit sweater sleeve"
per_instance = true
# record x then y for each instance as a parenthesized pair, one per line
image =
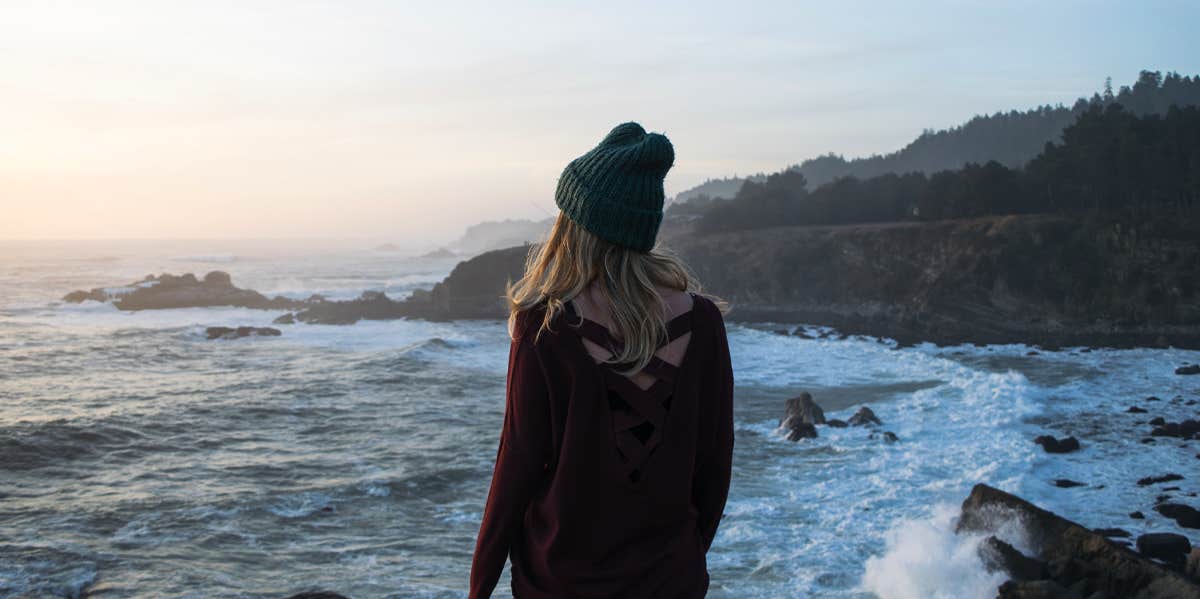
(710, 485)
(521, 460)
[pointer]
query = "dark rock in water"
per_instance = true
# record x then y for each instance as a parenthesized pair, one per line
(1078, 560)
(1189, 369)
(1136, 410)
(804, 408)
(1066, 483)
(1153, 480)
(168, 291)
(1137, 515)
(236, 333)
(1147, 440)
(1153, 398)
(1157, 421)
(288, 318)
(1183, 515)
(1032, 589)
(801, 430)
(370, 305)
(835, 423)
(1052, 445)
(1166, 546)
(1032, 353)
(1181, 430)
(317, 595)
(863, 417)
(1112, 532)
(998, 556)
(888, 436)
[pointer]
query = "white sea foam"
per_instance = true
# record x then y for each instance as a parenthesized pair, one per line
(925, 559)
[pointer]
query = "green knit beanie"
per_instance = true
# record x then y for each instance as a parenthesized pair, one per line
(615, 191)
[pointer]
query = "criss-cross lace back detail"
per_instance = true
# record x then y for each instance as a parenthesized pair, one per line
(639, 414)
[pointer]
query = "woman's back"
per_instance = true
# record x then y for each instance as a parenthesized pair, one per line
(622, 484)
(615, 452)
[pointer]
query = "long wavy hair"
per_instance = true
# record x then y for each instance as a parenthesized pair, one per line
(571, 258)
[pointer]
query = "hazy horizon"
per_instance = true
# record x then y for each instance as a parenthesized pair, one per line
(385, 122)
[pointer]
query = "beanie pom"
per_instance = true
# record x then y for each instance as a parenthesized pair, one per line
(659, 154)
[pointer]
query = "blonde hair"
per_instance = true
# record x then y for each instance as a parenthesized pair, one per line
(571, 258)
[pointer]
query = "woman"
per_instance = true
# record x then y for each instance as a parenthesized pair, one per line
(615, 452)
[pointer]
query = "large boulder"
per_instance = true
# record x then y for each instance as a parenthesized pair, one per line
(1166, 546)
(1076, 558)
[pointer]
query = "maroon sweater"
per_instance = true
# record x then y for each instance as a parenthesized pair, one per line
(602, 489)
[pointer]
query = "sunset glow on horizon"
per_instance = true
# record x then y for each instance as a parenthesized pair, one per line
(406, 121)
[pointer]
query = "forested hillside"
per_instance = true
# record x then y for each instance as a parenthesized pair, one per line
(1011, 138)
(1110, 161)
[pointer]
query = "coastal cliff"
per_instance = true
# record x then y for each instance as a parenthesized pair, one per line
(1033, 279)
(1041, 280)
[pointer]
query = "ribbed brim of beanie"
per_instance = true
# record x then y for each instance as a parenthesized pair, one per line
(615, 191)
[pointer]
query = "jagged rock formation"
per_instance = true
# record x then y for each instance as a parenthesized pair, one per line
(182, 291)
(1070, 560)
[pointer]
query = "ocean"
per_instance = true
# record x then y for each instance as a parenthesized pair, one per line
(139, 459)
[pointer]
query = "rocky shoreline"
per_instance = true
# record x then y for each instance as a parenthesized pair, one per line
(1067, 559)
(1039, 280)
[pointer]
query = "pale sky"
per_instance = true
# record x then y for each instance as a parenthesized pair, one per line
(395, 120)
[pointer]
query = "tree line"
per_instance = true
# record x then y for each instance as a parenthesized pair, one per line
(1110, 161)
(1010, 138)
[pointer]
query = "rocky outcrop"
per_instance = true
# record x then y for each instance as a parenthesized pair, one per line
(1043, 280)
(1068, 559)
(168, 291)
(800, 418)
(239, 332)
(474, 289)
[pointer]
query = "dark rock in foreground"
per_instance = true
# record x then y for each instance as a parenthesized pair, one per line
(1183, 515)
(1052, 445)
(1077, 560)
(1166, 546)
(168, 291)
(239, 332)
(1000, 556)
(863, 417)
(1189, 369)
